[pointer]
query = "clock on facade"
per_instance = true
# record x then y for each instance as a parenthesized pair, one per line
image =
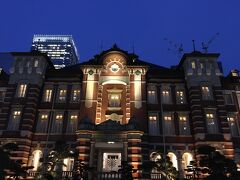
(114, 67)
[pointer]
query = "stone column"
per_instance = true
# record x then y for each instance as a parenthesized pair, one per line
(125, 148)
(92, 152)
(180, 168)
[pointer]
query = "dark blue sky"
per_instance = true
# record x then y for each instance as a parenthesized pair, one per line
(142, 22)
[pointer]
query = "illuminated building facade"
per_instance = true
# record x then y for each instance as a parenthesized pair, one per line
(117, 107)
(60, 49)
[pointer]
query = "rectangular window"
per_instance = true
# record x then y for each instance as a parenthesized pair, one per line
(193, 64)
(42, 123)
(21, 90)
(183, 125)
(206, 94)
(2, 95)
(228, 99)
(76, 95)
(166, 97)
(72, 123)
(212, 126)
(48, 95)
(114, 100)
(238, 99)
(57, 123)
(168, 125)
(36, 63)
(153, 124)
(233, 125)
(14, 122)
(62, 95)
(180, 97)
(152, 98)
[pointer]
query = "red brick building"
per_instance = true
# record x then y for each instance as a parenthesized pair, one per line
(118, 107)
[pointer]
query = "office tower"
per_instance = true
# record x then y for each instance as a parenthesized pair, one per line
(60, 49)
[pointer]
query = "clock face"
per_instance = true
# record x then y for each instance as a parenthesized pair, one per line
(115, 67)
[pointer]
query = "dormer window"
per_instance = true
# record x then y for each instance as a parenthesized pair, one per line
(193, 64)
(234, 73)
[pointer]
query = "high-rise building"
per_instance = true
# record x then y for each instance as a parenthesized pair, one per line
(60, 49)
(116, 107)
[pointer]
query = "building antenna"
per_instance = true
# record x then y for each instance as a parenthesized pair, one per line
(176, 48)
(205, 46)
(193, 43)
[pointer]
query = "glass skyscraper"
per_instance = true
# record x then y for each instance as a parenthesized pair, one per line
(60, 49)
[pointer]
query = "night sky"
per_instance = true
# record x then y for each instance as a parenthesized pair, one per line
(143, 24)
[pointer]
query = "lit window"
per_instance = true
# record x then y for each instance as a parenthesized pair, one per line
(201, 65)
(48, 95)
(180, 98)
(206, 94)
(76, 95)
(22, 90)
(36, 63)
(168, 125)
(35, 161)
(183, 125)
(57, 123)
(186, 159)
(72, 123)
(153, 124)
(212, 126)
(166, 97)
(62, 95)
(152, 96)
(14, 120)
(193, 65)
(233, 125)
(114, 100)
(68, 164)
(173, 159)
(42, 123)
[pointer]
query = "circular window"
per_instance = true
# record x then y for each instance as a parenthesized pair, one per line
(115, 68)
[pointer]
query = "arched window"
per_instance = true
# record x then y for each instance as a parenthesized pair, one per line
(154, 156)
(68, 164)
(36, 155)
(186, 158)
(173, 159)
